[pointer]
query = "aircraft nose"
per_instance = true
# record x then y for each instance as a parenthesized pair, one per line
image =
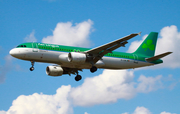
(13, 52)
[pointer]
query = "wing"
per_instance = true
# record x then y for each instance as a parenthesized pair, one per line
(100, 51)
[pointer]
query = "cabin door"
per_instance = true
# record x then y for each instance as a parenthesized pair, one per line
(35, 47)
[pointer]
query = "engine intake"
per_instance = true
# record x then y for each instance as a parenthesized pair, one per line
(54, 70)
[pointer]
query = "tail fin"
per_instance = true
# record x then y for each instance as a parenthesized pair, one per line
(147, 48)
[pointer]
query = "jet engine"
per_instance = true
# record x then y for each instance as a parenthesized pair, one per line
(54, 70)
(77, 57)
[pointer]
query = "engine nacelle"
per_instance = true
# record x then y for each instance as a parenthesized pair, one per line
(77, 57)
(54, 71)
(64, 58)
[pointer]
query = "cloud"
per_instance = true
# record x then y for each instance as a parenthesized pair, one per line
(148, 84)
(125, 113)
(166, 113)
(30, 37)
(2, 112)
(105, 88)
(67, 34)
(141, 110)
(169, 41)
(173, 82)
(108, 87)
(5, 68)
(112, 85)
(43, 104)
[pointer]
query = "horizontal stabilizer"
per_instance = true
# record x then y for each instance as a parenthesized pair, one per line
(157, 57)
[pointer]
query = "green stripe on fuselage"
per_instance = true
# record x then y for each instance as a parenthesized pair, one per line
(61, 48)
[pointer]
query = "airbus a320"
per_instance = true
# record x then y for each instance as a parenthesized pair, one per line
(71, 60)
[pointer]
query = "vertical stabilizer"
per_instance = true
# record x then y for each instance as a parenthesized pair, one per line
(148, 47)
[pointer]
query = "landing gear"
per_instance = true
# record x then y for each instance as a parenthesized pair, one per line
(93, 69)
(78, 77)
(32, 68)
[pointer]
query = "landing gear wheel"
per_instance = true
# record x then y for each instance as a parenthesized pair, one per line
(93, 69)
(78, 77)
(31, 69)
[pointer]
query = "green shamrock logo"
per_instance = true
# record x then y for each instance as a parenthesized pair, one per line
(148, 45)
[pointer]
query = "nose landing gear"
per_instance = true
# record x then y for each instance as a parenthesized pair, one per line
(32, 68)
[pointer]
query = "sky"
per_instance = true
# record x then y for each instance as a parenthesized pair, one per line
(85, 23)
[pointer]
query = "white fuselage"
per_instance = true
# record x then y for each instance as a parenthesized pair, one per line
(61, 58)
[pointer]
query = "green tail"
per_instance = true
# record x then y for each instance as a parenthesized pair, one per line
(147, 48)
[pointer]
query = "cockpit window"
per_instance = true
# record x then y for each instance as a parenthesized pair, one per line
(21, 46)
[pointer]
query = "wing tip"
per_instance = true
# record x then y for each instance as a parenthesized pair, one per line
(139, 33)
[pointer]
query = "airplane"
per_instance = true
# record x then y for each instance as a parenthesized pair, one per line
(71, 60)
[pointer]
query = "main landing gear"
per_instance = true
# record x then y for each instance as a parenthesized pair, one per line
(93, 69)
(32, 68)
(79, 77)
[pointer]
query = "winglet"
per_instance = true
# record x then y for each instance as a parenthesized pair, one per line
(139, 33)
